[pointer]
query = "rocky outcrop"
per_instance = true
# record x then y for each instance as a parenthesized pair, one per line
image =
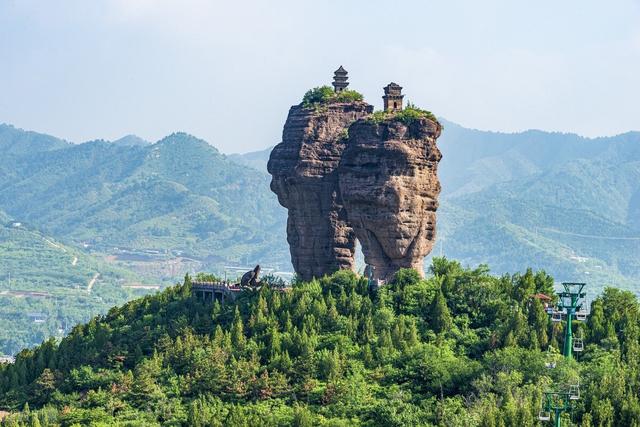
(389, 187)
(345, 174)
(304, 177)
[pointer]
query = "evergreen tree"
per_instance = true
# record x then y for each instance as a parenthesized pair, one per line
(237, 331)
(441, 320)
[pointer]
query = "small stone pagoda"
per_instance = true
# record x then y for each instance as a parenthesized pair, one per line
(392, 97)
(340, 78)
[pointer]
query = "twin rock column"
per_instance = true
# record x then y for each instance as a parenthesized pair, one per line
(343, 176)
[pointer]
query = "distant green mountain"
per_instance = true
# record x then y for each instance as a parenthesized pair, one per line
(15, 141)
(547, 200)
(179, 196)
(568, 204)
(474, 160)
(137, 215)
(131, 140)
(255, 159)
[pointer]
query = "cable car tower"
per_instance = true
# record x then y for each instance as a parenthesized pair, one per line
(558, 402)
(571, 306)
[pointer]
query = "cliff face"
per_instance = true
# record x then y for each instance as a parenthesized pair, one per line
(389, 187)
(343, 176)
(304, 177)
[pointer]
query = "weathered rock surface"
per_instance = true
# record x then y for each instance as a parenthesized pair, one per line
(389, 187)
(304, 177)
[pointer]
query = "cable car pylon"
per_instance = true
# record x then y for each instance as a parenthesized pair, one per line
(571, 305)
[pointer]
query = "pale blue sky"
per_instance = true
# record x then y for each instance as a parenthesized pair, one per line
(228, 71)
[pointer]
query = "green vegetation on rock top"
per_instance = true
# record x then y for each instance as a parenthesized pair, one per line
(325, 95)
(407, 115)
(461, 347)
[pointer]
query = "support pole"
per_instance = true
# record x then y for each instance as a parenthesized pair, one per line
(568, 335)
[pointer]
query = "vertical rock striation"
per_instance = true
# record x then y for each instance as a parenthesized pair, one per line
(304, 177)
(389, 187)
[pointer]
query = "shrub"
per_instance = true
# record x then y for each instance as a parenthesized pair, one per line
(317, 95)
(348, 96)
(325, 95)
(274, 281)
(409, 114)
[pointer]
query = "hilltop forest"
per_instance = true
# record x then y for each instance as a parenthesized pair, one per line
(459, 348)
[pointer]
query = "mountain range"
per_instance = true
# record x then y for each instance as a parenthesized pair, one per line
(179, 196)
(557, 201)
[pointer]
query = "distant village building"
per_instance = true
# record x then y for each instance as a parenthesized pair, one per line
(340, 78)
(393, 97)
(7, 359)
(37, 317)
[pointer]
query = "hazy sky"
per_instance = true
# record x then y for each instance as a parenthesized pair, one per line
(228, 71)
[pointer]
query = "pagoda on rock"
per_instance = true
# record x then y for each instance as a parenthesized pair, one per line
(340, 78)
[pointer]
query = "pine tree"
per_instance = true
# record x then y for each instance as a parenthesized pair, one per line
(237, 331)
(441, 320)
(596, 322)
(285, 364)
(274, 343)
(44, 386)
(332, 316)
(34, 421)
(218, 336)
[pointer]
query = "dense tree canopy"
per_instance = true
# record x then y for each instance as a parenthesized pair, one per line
(459, 348)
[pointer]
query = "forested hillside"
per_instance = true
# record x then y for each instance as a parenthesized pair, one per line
(127, 217)
(179, 196)
(461, 348)
(548, 200)
(17, 142)
(48, 287)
